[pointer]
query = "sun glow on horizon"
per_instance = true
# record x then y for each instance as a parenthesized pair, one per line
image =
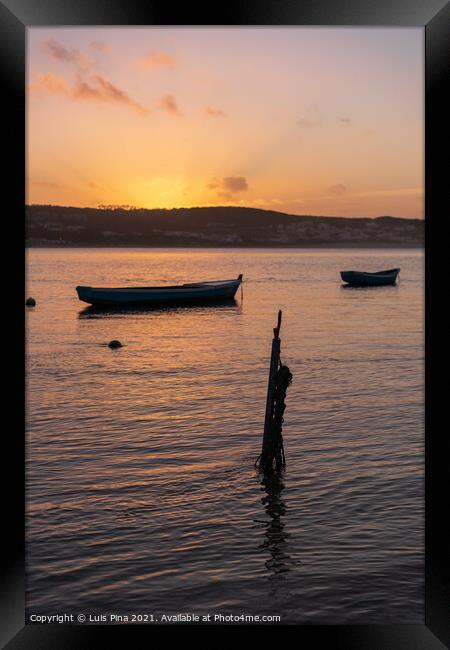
(299, 120)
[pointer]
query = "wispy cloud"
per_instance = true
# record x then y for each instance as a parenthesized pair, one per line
(305, 122)
(169, 104)
(46, 184)
(210, 111)
(228, 185)
(50, 84)
(101, 47)
(58, 52)
(310, 118)
(157, 60)
(409, 191)
(336, 190)
(97, 88)
(104, 91)
(345, 120)
(266, 202)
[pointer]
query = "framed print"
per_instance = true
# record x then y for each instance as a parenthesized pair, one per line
(229, 418)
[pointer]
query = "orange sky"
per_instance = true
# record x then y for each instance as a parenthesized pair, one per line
(325, 121)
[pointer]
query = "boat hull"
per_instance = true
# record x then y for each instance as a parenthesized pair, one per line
(362, 279)
(148, 296)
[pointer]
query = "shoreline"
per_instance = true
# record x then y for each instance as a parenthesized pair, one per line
(343, 245)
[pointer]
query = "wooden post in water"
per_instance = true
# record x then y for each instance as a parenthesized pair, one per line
(272, 453)
(274, 362)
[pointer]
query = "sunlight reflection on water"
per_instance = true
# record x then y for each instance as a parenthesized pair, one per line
(141, 492)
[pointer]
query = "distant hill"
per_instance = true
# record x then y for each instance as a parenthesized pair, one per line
(50, 225)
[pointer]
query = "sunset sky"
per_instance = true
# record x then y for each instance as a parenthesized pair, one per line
(324, 121)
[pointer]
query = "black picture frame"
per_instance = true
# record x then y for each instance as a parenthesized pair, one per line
(15, 17)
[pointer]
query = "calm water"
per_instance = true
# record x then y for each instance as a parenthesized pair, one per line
(142, 495)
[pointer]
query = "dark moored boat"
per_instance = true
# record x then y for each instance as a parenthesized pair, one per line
(196, 292)
(363, 279)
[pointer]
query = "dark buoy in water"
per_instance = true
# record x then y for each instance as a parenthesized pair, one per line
(30, 302)
(114, 344)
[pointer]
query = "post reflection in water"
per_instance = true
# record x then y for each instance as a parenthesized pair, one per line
(276, 536)
(142, 492)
